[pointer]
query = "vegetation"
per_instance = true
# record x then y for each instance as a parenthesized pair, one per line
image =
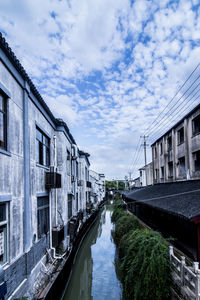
(143, 258)
(113, 185)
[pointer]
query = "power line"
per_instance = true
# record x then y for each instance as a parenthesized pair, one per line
(174, 96)
(180, 112)
(184, 99)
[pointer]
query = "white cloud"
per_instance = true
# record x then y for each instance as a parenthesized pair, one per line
(107, 66)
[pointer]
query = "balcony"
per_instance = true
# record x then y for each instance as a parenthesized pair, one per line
(88, 184)
(53, 180)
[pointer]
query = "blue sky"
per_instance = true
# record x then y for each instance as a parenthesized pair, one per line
(106, 67)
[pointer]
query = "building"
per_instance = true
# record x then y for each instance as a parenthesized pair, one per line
(43, 181)
(97, 193)
(146, 175)
(176, 154)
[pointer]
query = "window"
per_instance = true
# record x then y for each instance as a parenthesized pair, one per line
(170, 169)
(140, 173)
(155, 152)
(196, 125)
(196, 156)
(3, 122)
(43, 215)
(69, 205)
(180, 136)
(182, 166)
(68, 163)
(43, 148)
(161, 148)
(156, 174)
(3, 232)
(162, 172)
(169, 143)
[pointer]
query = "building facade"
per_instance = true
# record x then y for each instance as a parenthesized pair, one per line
(176, 155)
(43, 179)
(146, 175)
(97, 193)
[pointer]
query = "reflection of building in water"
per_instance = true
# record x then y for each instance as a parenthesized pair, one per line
(101, 222)
(80, 286)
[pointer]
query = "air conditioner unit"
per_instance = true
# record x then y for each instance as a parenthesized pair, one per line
(57, 236)
(52, 180)
(73, 178)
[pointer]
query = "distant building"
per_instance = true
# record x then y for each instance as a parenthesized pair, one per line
(97, 193)
(176, 154)
(146, 175)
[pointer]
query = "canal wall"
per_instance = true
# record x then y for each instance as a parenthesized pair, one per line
(57, 286)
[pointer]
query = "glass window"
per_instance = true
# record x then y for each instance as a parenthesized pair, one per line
(43, 148)
(3, 123)
(69, 206)
(42, 215)
(170, 169)
(196, 125)
(169, 143)
(161, 148)
(181, 136)
(182, 171)
(162, 172)
(3, 232)
(196, 156)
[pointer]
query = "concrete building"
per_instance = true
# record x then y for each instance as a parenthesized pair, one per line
(146, 175)
(43, 180)
(97, 193)
(176, 154)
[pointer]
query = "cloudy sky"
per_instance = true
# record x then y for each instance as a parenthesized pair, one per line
(107, 67)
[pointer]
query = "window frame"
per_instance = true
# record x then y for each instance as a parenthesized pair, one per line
(42, 161)
(169, 145)
(47, 220)
(194, 132)
(4, 113)
(195, 154)
(170, 164)
(5, 224)
(179, 140)
(181, 173)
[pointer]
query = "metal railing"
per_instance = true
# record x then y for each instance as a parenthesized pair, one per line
(187, 278)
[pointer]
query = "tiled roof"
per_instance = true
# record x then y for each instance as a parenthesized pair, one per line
(179, 198)
(16, 63)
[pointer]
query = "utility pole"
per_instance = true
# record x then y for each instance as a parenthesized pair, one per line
(145, 153)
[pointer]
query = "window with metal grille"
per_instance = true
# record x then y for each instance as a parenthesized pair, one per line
(3, 122)
(43, 215)
(43, 148)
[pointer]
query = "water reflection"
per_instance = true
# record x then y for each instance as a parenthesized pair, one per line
(94, 274)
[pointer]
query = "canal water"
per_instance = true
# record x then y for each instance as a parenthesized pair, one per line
(93, 276)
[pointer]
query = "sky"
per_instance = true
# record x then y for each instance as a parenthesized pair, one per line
(107, 68)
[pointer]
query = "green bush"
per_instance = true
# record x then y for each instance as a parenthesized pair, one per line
(145, 269)
(117, 213)
(125, 224)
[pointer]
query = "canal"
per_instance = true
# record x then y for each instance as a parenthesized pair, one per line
(93, 275)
